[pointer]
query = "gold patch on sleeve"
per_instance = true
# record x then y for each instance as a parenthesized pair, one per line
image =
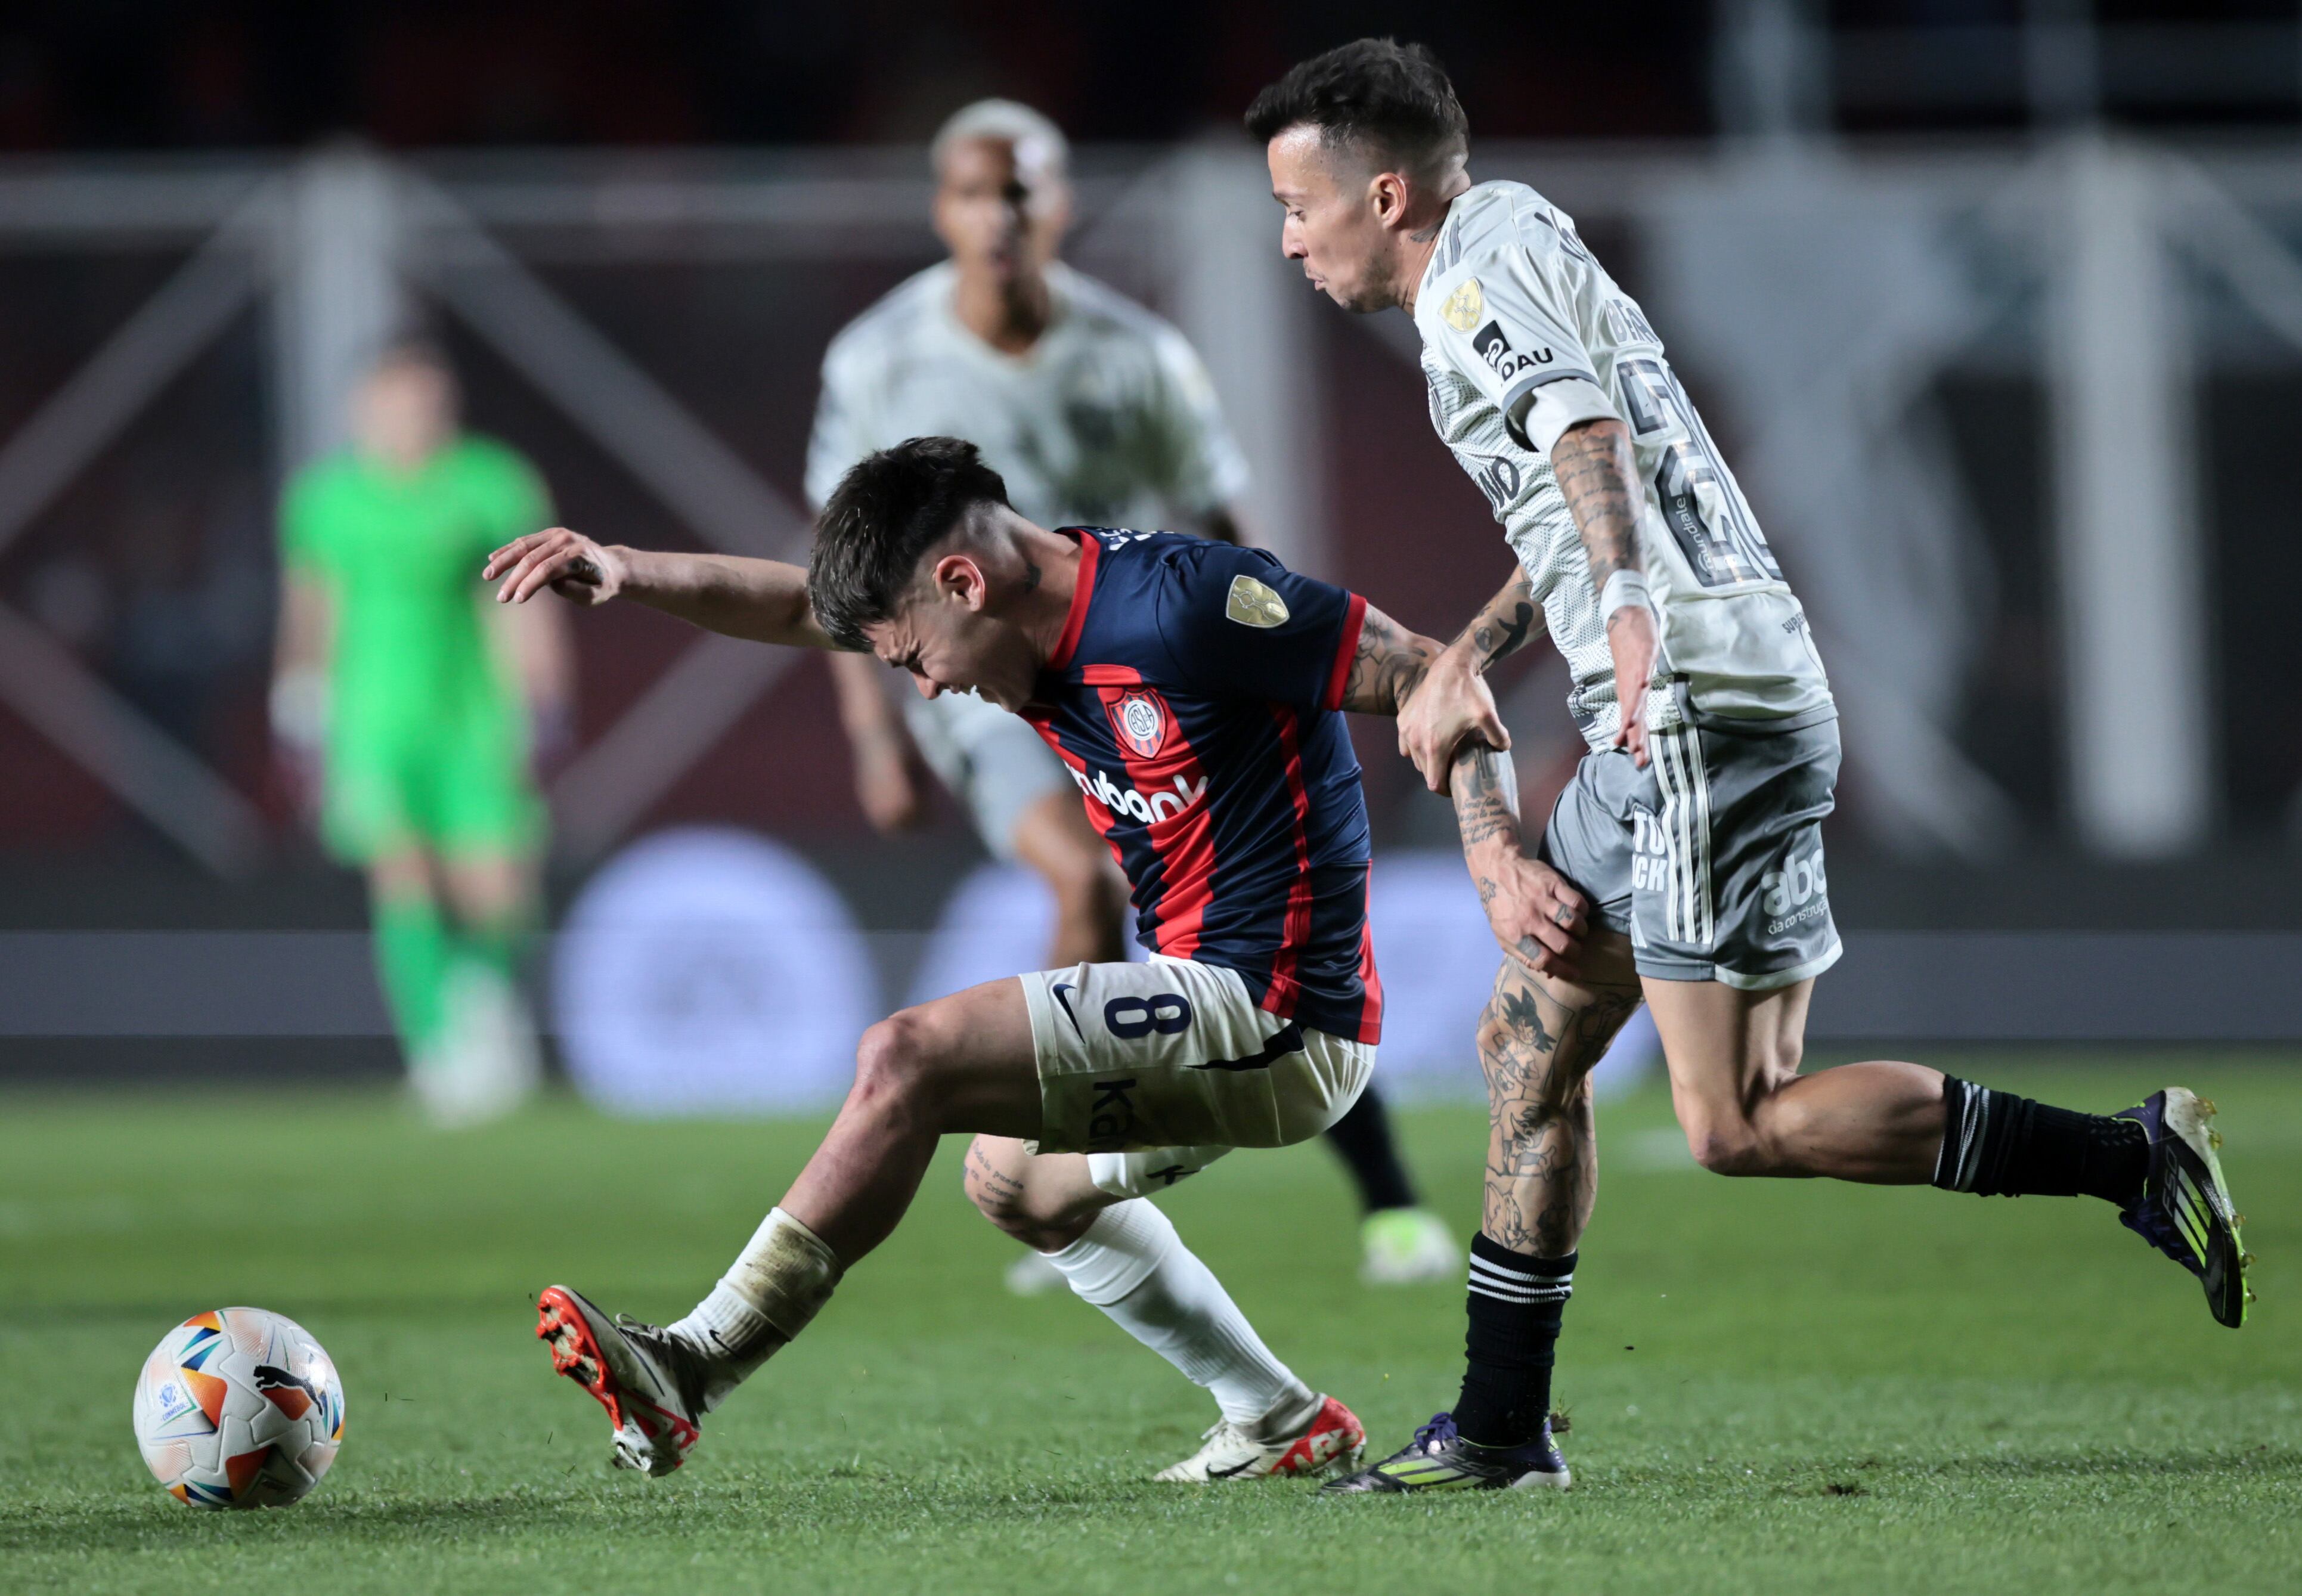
(1252, 604)
(1463, 305)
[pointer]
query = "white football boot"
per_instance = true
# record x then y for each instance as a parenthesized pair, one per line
(1333, 1442)
(650, 1382)
(1408, 1246)
(487, 1061)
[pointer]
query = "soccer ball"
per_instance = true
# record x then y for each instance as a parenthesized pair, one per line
(239, 1407)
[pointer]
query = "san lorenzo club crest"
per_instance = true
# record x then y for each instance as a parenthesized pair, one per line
(1140, 719)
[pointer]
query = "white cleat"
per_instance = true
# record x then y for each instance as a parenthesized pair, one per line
(486, 1063)
(1408, 1246)
(1334, 1442)
(630, 1369)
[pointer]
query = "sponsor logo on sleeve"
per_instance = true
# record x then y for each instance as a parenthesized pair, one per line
(1252, 604)
(1463, 305)
(1507, 361)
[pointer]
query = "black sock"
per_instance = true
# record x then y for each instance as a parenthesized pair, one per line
(1995, 1144)
(1516, 1304)
(1362, 1139)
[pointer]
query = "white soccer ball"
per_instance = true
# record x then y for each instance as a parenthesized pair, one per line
(239, 1407)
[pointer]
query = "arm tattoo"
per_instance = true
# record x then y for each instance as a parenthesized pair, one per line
(1501, 629)
(1485, 789)
(1596, 471)
(1387, 667)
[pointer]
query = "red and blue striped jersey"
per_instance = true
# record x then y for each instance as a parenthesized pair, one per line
(1194, 697)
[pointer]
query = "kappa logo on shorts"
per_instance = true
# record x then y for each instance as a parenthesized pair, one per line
(1140, 717)
(1111, 1117)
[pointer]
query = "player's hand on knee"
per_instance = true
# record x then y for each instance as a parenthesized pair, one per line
(568, 563)
(1452, 704)
(1537, 915)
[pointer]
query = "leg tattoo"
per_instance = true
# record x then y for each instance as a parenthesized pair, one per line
(1538, 1041)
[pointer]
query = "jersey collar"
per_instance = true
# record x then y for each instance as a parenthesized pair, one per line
(1431, 270)
(1083, 595)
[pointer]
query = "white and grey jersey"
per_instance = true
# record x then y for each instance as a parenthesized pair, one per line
(1525, 335)
(1109, 420)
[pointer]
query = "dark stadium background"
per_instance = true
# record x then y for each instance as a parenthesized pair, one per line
(154, 565)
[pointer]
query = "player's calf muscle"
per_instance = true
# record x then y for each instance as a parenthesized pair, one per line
(1538, 1041)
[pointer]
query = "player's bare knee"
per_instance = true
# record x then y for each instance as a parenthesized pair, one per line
(1501, 1032)
(1727, 1145)
(895, 1060)
(1492, 1033)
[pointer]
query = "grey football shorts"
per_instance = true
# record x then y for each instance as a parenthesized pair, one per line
(992, 761)
(1710, 858)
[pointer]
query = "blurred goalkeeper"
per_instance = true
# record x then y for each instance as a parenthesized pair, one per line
(418, 705)
(1095, 413)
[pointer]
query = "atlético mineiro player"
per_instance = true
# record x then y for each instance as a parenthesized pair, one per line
(1195, 692)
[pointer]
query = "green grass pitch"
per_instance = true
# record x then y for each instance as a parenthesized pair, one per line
(1775, 1386)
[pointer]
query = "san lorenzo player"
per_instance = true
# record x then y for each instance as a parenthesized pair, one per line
(1193, 691)
(1094, 412)
(1683, 864)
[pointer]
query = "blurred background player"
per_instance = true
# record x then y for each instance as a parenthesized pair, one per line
(417, 704)
(1095, 412)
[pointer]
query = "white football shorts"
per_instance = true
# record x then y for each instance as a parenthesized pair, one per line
(1154, 1070)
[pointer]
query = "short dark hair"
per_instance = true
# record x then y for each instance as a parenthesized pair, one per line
(1386, 98)
(890, 508)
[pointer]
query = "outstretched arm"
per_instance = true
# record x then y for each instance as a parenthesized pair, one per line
(1456, 704)
(1598, 476)
(763, 599)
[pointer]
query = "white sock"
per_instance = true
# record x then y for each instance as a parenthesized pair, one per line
(779, 1282)
(1132, 1265)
